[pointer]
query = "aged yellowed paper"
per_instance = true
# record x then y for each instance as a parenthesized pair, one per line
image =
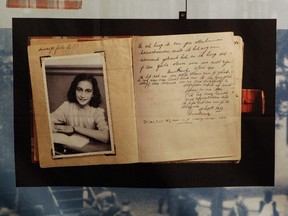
(188, 96)
(175, 98)
(119, 76)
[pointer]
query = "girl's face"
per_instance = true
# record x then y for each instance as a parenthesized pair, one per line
(84, 92)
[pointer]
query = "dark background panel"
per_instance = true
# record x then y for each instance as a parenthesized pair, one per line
(256, 167)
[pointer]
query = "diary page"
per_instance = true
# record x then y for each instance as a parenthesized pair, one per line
(118, 65)
(188, 96)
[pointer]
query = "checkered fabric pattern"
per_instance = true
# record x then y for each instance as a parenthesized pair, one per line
(45, 4)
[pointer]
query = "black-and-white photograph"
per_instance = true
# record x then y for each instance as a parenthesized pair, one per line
(78, 103)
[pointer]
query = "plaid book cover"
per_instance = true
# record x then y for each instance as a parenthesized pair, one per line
(45, 4)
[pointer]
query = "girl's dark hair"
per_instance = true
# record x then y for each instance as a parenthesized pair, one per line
(71, 95)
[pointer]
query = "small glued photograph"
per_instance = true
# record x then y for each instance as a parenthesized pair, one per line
(78, 105)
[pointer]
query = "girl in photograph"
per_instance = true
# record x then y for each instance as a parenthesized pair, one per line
(81, 113)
